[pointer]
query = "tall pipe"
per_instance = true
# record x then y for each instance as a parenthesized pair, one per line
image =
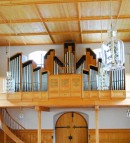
(65, 70)
(19, 72)
(67, 62)
(54, 67)
(123, 79)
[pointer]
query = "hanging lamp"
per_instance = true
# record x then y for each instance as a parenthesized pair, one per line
(10, 82)
(112, 49)
(103, 82)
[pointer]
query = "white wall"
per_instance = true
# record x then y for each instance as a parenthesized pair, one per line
(109, 118)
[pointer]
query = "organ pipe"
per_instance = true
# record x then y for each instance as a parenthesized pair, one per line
(34, 80)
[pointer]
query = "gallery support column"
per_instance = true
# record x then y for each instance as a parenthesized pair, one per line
(39, 109)
(4, 137)
(96, 123)
(39, 124)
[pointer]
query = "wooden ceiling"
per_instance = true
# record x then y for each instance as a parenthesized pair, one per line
(36, 22)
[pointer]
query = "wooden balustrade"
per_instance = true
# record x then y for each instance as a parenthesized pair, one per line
(105, 136)
(30, 136)
(10, 125)
(110, 136)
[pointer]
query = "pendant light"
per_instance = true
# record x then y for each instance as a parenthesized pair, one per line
(113, 49)
(103, 82)
(10, 83)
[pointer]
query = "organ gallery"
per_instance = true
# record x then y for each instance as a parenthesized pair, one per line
(66, 77)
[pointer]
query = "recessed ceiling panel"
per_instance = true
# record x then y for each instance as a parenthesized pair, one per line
(58, 10)
(65, 38)
(16, 12)
(99, 8)
(29, 27)
(63, 26)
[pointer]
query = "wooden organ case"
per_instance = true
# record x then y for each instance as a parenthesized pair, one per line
(69, 78)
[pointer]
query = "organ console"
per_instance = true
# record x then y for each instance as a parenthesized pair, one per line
(28, 77)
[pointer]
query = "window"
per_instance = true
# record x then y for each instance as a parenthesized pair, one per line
(37, 57)
(98, 53)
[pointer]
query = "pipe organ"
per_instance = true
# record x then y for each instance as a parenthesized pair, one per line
(37, 79)
(90, 58)
(49, 61)
(93, 73)
(81, 64)
(44, 81)
(118, 79)
(58, 66)
(28, 77)
(85, 80)
(69, 58)
(15, 67)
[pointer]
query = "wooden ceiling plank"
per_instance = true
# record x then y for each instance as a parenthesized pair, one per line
(14, 2)
(105, 17)
(79, 23)
(118, 14)
(44, 24)
(8, 24)
(19, 2)
(5, 21)
(63, 33)
(11, 27)
(58, 43)
(41, 108)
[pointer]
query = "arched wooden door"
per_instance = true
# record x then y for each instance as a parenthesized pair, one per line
(71, 127)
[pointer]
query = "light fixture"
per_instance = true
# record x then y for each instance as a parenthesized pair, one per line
(103, 82)
(112, 49)
(128, 112)
(10, 83)
(21, 114)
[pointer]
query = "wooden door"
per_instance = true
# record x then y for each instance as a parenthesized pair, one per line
(71, 127)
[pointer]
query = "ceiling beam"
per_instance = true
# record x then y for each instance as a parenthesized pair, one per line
(78, 9)
(56, 43)
(63, 19)
(21, 2)
(119, 10)
(41, 108)
(44, 24)
(62, 33)
(9, 24)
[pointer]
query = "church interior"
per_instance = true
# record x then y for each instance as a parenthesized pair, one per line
(64, 71)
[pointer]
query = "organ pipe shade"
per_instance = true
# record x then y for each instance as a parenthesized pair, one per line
(113, 52)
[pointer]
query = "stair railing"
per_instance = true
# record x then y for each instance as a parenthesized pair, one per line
(12, 124)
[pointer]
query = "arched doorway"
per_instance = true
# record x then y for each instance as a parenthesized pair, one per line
(71, 127)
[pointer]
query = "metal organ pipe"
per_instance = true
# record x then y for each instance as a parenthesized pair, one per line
(65, 70)
(72, 63)
(19, 71)
(15, 65)
(67, 62)
(16, 86)
(69, 66)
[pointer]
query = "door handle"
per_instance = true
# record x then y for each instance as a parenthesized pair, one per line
(70, 137)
